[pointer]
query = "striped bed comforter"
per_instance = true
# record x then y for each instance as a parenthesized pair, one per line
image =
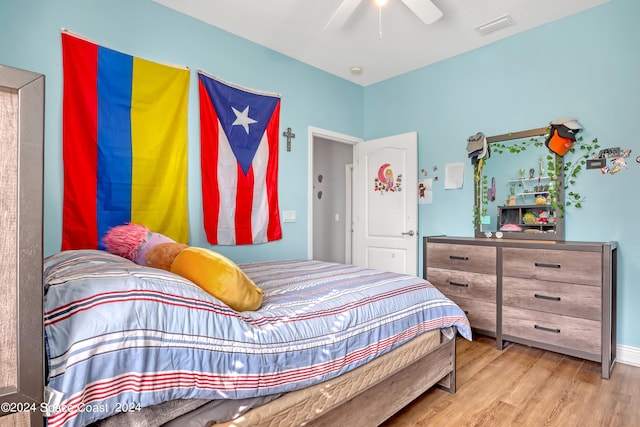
(120, 336)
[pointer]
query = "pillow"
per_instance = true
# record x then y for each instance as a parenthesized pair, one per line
(511, 227)
(219, 276)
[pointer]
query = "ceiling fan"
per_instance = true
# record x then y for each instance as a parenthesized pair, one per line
(425, 10)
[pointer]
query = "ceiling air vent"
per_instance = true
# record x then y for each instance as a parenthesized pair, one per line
(495, 25)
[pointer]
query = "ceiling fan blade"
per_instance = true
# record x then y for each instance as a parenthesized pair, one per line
(425, 10)
(342, 14)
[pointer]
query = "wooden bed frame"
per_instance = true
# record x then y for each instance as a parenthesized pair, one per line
(368, 395)
(356, 398)
(380, 401)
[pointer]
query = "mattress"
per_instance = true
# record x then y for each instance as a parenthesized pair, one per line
(297, 407)
(123, 337)
(294, 408)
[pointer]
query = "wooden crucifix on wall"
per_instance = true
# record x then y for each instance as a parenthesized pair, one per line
(289, 136)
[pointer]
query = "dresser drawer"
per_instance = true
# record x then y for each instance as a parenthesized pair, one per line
(553, 297)
(553, 329)
(472, 258)
(554, 265)
(464, 284)
(481, 315)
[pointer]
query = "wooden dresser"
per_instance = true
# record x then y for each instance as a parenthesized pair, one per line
(467, 275)
(559, 296)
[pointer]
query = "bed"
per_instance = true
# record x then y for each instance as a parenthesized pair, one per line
(133, 345)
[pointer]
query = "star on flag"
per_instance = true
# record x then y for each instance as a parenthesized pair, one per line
(243, 119)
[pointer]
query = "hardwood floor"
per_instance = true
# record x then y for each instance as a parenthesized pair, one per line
(524, 386)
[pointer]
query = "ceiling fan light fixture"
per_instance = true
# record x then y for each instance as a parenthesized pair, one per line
(496, 24)
(425, 10)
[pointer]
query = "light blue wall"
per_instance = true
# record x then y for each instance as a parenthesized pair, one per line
(30, 34)
(586, 66)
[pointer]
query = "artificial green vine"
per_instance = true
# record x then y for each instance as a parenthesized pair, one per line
(572, 169)
(480, 193)
(556, 171)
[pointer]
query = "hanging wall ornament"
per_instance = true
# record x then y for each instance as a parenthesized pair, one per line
(491, 191)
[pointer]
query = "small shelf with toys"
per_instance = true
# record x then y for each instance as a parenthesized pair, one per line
(536, 218)
(534, 187)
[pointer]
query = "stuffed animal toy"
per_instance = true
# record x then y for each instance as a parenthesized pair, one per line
(163, 254)
(541, 200)
(132, 241)
(213, 272)
(529, 218)
(543, 217)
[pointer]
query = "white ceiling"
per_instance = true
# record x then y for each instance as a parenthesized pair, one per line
(296, 28)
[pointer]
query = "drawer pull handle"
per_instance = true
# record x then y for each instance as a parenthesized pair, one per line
(461, 258)
(547, 297)
(542, 264)
(542, 328)
(462, 285)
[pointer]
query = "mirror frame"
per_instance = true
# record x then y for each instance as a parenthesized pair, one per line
(479, 190)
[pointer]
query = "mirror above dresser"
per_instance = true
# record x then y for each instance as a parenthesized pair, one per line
(519, 188)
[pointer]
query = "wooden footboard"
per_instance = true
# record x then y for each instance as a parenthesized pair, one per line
(381, 401)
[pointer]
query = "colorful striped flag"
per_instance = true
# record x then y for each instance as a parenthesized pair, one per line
(124, 131)
(239, 161)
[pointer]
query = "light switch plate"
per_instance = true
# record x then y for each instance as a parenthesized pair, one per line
(289, 216)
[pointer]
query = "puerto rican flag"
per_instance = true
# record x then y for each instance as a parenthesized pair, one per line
(239, 131)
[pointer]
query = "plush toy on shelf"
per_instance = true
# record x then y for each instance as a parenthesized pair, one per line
(529, 218)
(543, 217)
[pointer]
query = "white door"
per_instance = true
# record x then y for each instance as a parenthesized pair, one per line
(386, 204)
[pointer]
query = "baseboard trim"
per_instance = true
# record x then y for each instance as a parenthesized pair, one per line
(628, 355)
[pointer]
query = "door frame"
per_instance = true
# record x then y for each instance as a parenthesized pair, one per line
(313, 133)
(348, 220)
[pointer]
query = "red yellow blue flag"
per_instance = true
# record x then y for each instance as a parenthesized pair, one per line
(124, 130)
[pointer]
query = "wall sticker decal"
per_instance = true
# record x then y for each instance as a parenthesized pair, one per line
(385, 181)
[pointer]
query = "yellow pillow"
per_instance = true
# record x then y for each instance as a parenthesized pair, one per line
(219, 276)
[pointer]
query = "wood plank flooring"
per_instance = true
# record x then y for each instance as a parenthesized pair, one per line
(524, 386)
